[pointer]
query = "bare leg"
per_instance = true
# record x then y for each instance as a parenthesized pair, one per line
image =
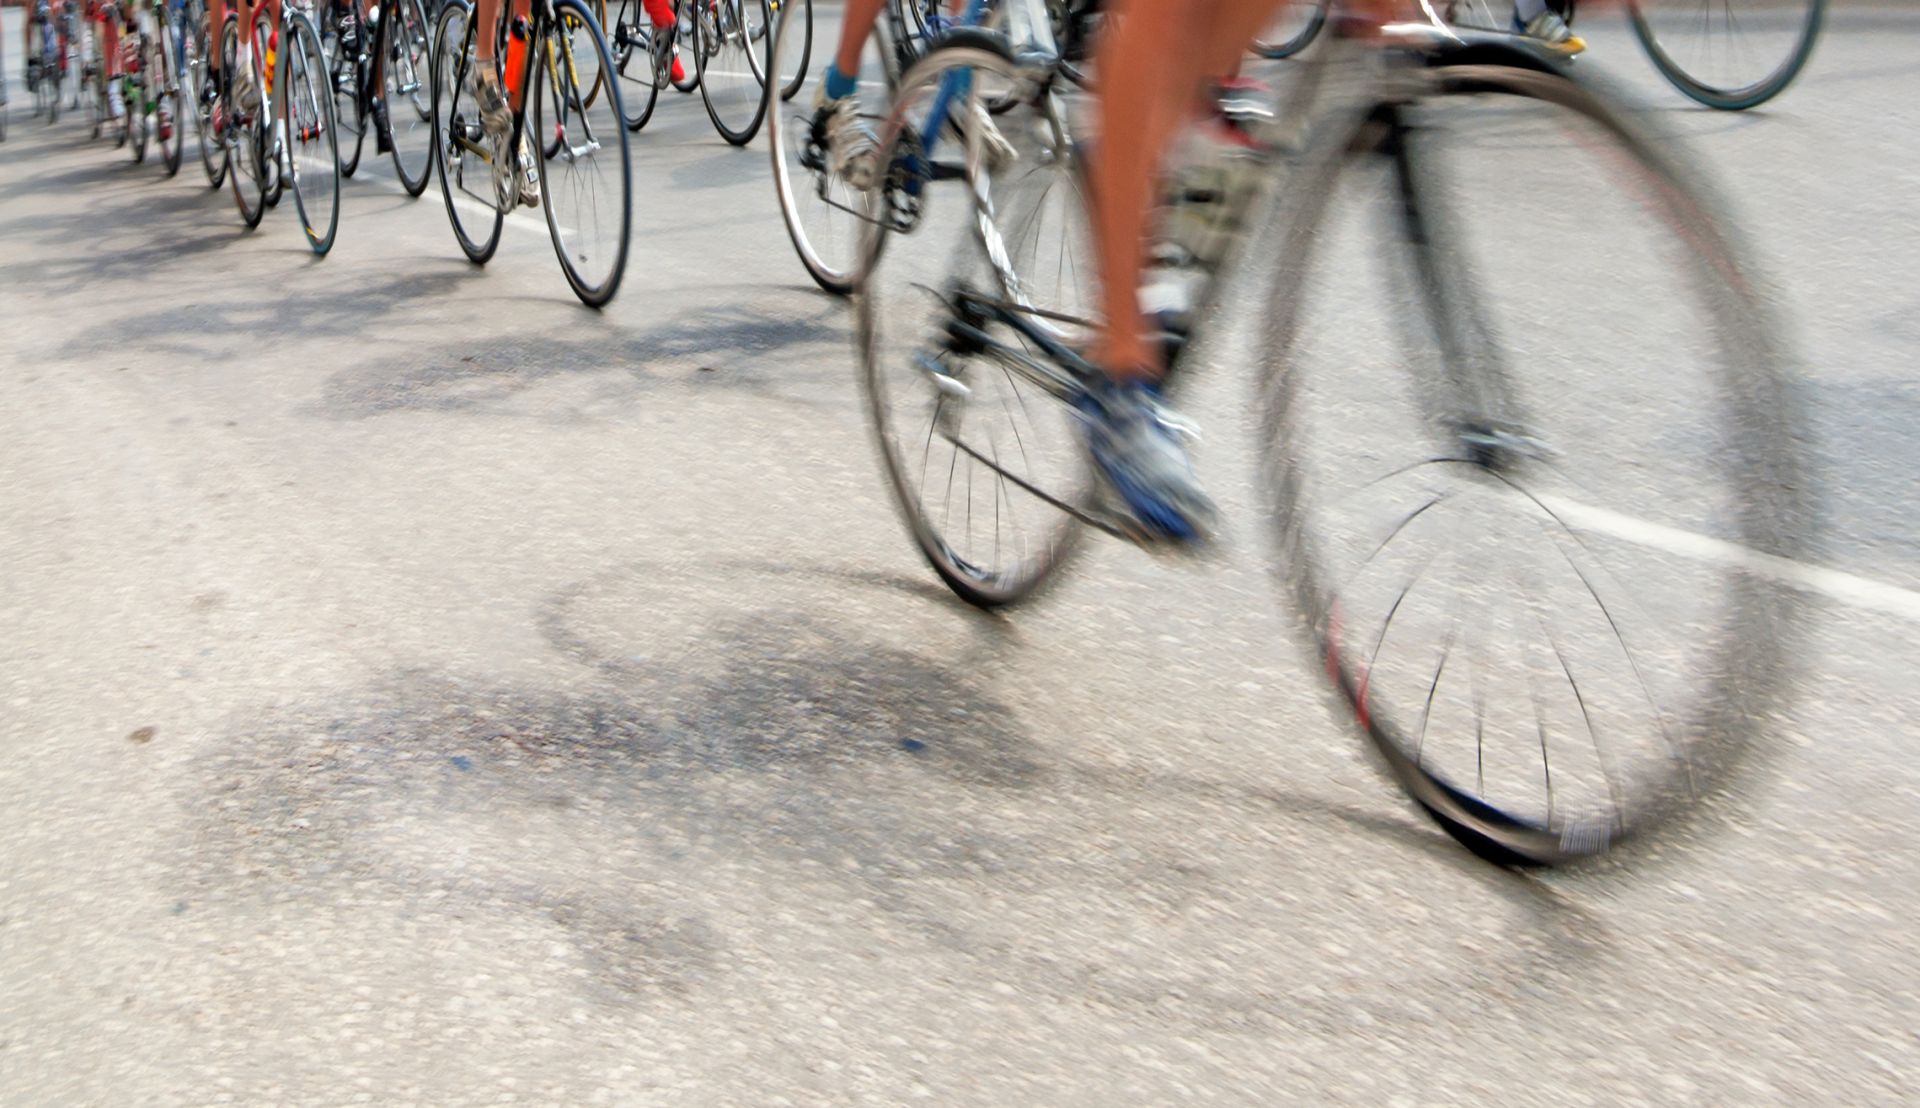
(856, 26)
(1167, 52)
(486, 24)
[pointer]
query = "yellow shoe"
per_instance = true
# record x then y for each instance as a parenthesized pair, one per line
(1550, 30)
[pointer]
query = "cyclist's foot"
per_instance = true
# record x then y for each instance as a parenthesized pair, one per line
(1550, 29)
(245, 94)
(1135, 443)
(116, 102)
(529, 175)
(495, 114)
(382, 135)
(851, 147)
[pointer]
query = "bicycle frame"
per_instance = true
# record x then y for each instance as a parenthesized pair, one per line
(542, 25)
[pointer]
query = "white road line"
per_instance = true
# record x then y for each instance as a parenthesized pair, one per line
(1847, 588)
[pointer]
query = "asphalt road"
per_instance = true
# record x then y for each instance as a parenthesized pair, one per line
(419, 689)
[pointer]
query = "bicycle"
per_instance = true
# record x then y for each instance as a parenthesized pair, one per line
(1719, 56)
(290, 139)
(1462, 551)
(380, 70)
(576, 132)
(730, 40)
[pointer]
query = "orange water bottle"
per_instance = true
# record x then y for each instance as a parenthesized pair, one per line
(273, 55)
(516, 57)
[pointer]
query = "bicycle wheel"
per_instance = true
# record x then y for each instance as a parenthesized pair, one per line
(794, 74)
(825, 215)
(252, 150)
(978, 456)
(730, 49)
(1527, 562)
(213, 148)
(171, 123)
(466, 172)
(635, 63)
(343, 48)
(586, 183)
(407, 87)
(305, 89)
(134, 106)
(1729, 54)
(1294, 26)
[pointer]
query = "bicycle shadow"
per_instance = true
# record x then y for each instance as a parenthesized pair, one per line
(758, 746)
(730, 347)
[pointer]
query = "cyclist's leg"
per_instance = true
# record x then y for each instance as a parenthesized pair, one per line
(1168, 51)
(856, 27)
(1155, 61)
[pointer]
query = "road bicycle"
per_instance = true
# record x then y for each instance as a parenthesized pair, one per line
(825, 214)
(728, 40)
(1528, 433)
(1726, 54)
(381, 73)
(190, 32)
(571, 125)
(289, 141)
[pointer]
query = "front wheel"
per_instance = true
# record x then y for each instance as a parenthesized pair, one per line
(305, 92)
(252, 148)
(171, 122)
(1535, 572)
(586, 183)
(1729, 54)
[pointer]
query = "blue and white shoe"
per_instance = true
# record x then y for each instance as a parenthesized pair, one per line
(1136, 446)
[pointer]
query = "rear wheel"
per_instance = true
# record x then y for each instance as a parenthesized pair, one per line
(586, 182)
(1534, 573)
(312, 143)
(1294, 26)
(640, 81)
(251, 152)
(172, 122)
(732, 40)
(964, 439)
(407, 87)
(213, 150)
(466, 177)
(343, 47)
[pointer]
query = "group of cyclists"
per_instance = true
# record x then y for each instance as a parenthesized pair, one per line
(1177, 56)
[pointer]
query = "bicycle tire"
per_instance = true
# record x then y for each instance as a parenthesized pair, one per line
(790, 86)
(1730, 98)
(632, 42)
(247, 175)
(173, 146)
(306, 107)
(1288, 45)
(407, 88)
(1747, 669)
(213, 149)
(136, 118)
(819, 216)
(738, 130)
(985, 563)
(577, 117)
(348, 78)
(449, 68)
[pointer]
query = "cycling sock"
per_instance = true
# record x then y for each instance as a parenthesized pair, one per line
(839, 85)
(1526, 11)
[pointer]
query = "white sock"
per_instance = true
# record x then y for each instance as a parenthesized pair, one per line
(1528, 10)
